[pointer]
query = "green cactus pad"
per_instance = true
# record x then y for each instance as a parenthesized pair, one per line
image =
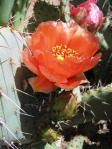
(43, 11)
(77, 142)
(5, 10)
(19, 13)
(98, 102)
(15, 117)
(52, 146)
(96, 105)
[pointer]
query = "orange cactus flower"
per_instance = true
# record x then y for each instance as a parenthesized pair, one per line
(59, 54)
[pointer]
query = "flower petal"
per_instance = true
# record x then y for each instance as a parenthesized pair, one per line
(52, 34)
(84, 43)
(43, 35)
(41, 84)
(76, 68)
(52, 76)
(92, 62)
(30, 62)
(73, 44)
(63, 32)
(50, 62)
(73, 82)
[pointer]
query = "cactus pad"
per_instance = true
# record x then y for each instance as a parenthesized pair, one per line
(14, 119)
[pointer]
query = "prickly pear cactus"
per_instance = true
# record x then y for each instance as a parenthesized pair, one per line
(98, 102)
(52, 146)
(77, 142)
(48, 10)
(19, 14)
(5, 11)
(65, 10)
(95, 106)
(43, 11)
(64, 106)
(16, 120)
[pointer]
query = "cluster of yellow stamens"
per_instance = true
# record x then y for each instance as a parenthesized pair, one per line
(62, 51)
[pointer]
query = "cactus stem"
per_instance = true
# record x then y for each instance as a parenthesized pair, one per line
(22, 25)
(7, 98)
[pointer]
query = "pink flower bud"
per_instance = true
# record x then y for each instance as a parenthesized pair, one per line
(87, 15)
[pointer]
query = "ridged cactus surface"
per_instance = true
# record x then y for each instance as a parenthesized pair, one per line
(14, 119)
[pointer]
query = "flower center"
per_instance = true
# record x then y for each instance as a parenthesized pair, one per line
(62, 51)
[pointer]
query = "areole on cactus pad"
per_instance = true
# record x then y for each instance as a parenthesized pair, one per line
(59, 55)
